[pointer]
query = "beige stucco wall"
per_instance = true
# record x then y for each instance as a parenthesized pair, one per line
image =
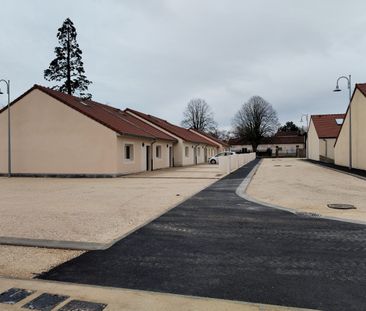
(163, 161)
(49, 137)
(326, 147)
(138, 163)
(358, 106)
(313, 143)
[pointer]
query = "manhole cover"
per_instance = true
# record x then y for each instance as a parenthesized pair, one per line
(341, 206)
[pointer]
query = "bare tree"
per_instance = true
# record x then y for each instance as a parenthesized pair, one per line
(199, 116)
(223, 135)
(255, 120)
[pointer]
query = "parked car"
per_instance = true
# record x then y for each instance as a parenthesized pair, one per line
(215, 159)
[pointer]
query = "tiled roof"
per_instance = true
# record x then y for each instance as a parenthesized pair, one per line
(178, 131)
(284, 140)
(362, 88)
(218, 141)
(273, 140)
(326, 125)
(111, 117)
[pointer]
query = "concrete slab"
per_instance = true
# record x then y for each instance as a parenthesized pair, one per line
(91, 214)
(131, 300)
(300, 186)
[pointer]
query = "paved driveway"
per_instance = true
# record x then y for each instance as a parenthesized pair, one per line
(218, 245)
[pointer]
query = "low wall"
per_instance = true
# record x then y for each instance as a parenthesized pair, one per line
(231, 163)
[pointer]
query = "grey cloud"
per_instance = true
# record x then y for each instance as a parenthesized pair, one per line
(156, 55)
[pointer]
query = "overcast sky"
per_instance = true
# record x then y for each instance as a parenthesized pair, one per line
(155, 56)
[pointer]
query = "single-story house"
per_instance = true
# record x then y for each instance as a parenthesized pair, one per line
(280, 144)
(190, 148)
(56, 134)
(357, 107)
(223, 146)
(322, 134)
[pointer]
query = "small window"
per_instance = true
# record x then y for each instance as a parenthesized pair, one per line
(339, 121)
(158, 152)
(129, 152)
(199, 151)
(186, 151)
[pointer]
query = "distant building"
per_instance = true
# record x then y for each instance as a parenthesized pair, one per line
(341, 150)
(280, 144)
(322, 134)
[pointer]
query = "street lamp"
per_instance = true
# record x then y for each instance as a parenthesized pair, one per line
(7, 82)
(337, 89)
(307, 129)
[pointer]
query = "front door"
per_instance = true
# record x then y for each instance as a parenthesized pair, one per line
(148, 158)
(170, 157)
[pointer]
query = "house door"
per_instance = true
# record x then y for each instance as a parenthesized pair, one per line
(195, 154)
(205, 152)
(148, 158)
(170, 157)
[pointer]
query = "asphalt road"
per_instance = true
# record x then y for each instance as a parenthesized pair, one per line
(218, 245)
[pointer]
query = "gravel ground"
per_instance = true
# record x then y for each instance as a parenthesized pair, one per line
(26, 262)
(303, 186)
(88, 210)
(94, 210)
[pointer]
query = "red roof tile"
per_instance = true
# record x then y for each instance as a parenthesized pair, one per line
(178, 131)
(362, 88)
(111, 117)
(218, 141)
(326, 125)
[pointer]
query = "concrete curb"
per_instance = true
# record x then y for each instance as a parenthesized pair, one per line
(241, 191)
(71, 245)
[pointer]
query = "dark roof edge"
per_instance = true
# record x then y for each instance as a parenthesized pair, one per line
(134, 112)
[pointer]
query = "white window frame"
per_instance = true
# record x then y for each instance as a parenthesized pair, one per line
(186, 151)
(131, 152)
(158, 151)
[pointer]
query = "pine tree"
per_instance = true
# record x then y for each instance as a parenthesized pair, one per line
(68, 67)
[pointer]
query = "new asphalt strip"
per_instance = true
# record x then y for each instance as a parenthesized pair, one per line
(219, 245)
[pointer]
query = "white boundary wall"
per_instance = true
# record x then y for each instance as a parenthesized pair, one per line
(228, 164)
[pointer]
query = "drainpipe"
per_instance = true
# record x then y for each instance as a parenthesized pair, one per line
(152, 154)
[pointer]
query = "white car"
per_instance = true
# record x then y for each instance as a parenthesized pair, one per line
(215, 159)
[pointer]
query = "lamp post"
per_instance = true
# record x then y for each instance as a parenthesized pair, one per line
(307, 129)
(337, 89)
(7, 82)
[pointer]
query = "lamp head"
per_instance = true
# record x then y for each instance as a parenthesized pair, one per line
(337, 89)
